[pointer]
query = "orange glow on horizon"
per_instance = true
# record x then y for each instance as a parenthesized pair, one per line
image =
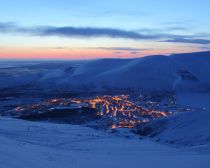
(50, 53)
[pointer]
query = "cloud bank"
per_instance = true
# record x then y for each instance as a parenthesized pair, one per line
(91, 32)
(185, 40)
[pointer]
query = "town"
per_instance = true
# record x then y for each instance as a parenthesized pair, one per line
(117, 111)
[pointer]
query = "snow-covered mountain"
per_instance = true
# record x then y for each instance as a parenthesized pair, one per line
(153, 73)
(179, 72)
(29, 144)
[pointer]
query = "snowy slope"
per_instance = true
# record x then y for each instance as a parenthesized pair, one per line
(141, 73)
(180, 72)
(198, 64)
(38, 75)
(190, 129)
(38, 145)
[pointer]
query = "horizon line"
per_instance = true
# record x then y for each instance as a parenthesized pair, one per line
(89, 59)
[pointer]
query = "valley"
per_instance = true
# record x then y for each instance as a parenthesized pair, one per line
(105, 111)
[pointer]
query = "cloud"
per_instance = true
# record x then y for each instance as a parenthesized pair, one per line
(117, 52)
(185, 40)
(92, 32)
(134, 52)
(160, 31)
(205, 48)
(89, 32)
(175, 28)
(7, 27)
(55, 48)
(69, 31)
(120, 48)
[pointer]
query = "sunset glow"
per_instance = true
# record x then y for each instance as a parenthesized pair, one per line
(36, 53)
(93, 29)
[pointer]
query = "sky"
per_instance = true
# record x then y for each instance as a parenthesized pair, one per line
(86, 29)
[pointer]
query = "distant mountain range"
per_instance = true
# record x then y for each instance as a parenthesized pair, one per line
(178, 72)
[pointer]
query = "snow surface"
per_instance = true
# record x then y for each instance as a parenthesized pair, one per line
(187, 135)
(180, 72)
(188, 129)
(39, 145)
(199, 100)
(151, 73)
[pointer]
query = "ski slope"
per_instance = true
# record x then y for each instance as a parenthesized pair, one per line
(39, 145)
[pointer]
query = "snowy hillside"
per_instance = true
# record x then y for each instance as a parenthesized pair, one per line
(179, 139)
(153, 73)
(37, 145)
(189, 129)
(180, 72)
